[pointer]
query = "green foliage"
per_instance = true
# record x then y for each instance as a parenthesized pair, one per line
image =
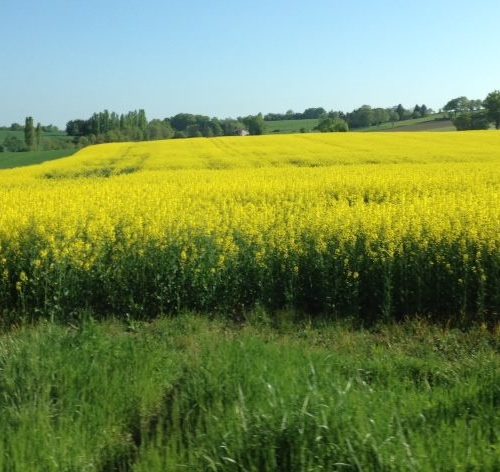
(270, 395)
(38, 135)
(327, 125)
(492, 106)
(457, 105)
(159, 129)
(471, 121)
(313, 113)
(44, 140)
(14, 144)
(72, 397)
(362, 117)
(29, 133)
(255, 124)
(179, 135)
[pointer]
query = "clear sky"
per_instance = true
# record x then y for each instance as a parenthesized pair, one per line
(65, 59)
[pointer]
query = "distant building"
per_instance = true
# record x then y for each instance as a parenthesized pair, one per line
(242, 132)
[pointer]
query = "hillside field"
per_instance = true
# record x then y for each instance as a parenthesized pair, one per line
(9, 160)
(435, 122)
(428, 123)
(375, 226)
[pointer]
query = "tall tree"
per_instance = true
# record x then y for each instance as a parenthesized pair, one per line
(29, 132)
(492, 106)
(401, 111)
(38, 135)
(255, 124)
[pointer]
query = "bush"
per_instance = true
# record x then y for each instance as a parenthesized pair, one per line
(13, 144)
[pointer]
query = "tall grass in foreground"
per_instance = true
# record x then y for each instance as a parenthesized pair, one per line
(198, 395)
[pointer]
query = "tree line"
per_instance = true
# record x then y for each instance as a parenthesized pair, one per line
(108, 126)
(362, 117)
(133, 126)
(474, 114)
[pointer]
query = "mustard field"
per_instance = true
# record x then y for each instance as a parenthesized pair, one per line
(373, 226)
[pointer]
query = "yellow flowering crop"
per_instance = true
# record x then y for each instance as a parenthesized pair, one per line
(357, 224)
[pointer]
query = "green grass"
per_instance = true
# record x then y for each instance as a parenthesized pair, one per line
(5, 133)
(20, 134)
(289, 126)
(295, 126)
(9, 160)
(193, 394)
(405, 123)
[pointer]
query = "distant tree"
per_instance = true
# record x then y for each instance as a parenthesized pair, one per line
(492, 106)
(216, 127)
(182, 120)
(361, 117)
(159, 129)
(230, 126)
(470, 121)
(14, 144)
(16, 127)
(142, 122)
(475, 105)
(424, 111)
(255, 124)
(480, 121)
(193, 131)
(393, 116)
(29, 132)
(38, 135)
(76, 128)
(417, 113)
(312, 113)
(208, 132)
(328, 125)
(50, 129)
(457, 105)
(463, 122)
(400, 110)
(379, 115)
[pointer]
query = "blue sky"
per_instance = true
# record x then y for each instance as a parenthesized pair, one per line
(64, 59)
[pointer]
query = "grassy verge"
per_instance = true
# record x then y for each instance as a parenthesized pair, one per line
(290, 126)
(412, 123)
(193, 394)
(9, 160)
